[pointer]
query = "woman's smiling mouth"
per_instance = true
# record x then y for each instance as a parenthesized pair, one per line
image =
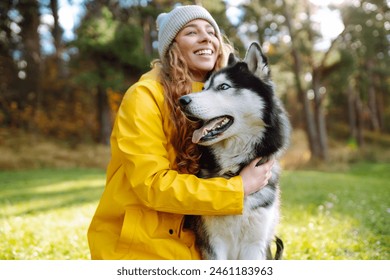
(204, 52)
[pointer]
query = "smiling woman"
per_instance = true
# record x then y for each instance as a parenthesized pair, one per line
(199, 46)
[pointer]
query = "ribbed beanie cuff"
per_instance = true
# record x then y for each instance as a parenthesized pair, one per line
(169, 24)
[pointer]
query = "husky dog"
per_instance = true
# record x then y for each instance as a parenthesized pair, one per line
(242, 119)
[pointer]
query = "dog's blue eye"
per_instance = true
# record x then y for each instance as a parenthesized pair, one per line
(223, 87)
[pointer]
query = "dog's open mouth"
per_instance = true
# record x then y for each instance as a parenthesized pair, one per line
(212, 129)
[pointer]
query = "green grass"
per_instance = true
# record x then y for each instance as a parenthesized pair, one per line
(343, 215)
(44, 214)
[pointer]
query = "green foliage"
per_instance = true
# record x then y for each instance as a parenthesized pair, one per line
(107, 48)
(127, 47)
(107, 38)
(44, 214)
(97, 33)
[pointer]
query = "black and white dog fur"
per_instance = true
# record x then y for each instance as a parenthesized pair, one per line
(242, 119)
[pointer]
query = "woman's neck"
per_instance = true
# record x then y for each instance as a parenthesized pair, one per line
(199, 76)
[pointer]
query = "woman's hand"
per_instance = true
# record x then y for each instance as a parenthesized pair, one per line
(256, 177)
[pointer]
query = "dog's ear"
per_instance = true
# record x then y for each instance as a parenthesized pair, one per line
(232, 59)
(257, 62)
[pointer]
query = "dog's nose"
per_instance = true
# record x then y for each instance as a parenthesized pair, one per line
(184, 100)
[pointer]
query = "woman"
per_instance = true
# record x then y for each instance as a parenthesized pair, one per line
(151, 184)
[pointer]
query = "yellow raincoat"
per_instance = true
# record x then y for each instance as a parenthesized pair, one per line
(141, 212)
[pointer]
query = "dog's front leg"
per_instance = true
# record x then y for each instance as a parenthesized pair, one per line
(219, 248)
(254, 251)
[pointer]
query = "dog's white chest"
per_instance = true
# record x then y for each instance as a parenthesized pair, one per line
(233, 152)
(243, 236)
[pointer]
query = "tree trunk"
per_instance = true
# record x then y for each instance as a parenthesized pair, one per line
(30, 85)
(359, 118)
(355, 115)
(372, 103)
(320, 116)
(8, 69)
(147, 25)
(302, 95)
(103, 116)
(30, 37)
(381, 93)
(57, 38)
(352, 114)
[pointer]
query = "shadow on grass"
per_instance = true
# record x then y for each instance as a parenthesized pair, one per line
(34, 191)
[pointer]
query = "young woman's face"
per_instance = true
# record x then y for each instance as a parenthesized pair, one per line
(199, 45)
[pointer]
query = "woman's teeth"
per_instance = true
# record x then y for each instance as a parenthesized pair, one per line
(204, 52)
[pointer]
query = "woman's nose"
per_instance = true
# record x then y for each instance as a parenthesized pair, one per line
(205, 36)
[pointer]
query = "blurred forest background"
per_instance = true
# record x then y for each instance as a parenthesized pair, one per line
(66, 64)
(62, 79)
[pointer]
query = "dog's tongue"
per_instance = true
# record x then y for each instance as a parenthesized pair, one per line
(199, 133)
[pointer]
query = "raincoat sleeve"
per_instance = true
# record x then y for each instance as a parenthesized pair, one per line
(147, 160)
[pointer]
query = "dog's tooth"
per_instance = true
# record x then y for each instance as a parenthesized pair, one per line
(225, 121)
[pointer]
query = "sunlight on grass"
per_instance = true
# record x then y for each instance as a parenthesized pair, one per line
(59, 234)
(49, 196)
(45, 214)
(326, 237)
(336, 215)
(47, 220)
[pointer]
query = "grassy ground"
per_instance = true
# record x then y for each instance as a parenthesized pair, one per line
(45, 213)
(338, 215)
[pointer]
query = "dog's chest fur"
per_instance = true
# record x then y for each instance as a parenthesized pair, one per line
(230, 155)
(233, 237)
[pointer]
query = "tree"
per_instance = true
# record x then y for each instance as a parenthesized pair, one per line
(8, 68)
(57, 33)
(110, 51)
(368, 43)
(20, 61)
(320, 75)
(31, 51)
(275, 22)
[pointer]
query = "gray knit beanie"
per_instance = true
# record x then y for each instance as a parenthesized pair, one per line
(169, 24)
